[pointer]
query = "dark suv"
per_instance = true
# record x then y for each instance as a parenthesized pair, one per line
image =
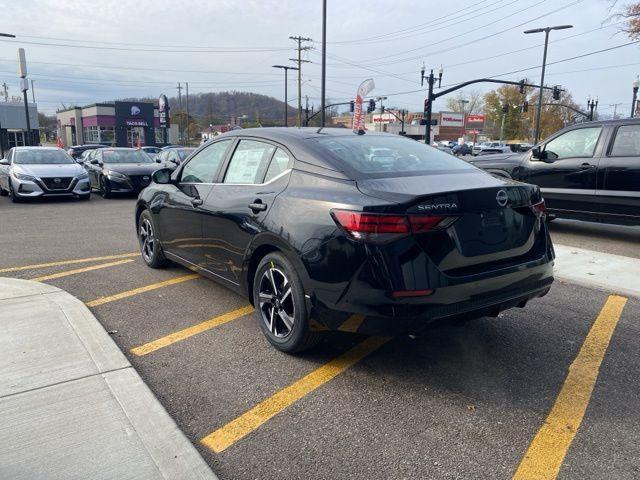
(589, 171)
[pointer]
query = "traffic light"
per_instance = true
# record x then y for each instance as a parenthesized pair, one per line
(352, 106)
(426, 105)
(381, 108)
(556, 92)
(505, 108)
(522, 86)
(525, 106)
(372, 106)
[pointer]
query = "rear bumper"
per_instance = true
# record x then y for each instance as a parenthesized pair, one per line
(374, 312)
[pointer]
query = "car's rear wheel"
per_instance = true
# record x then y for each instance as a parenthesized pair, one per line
(280, 305)
(3, 192)
(149, 244)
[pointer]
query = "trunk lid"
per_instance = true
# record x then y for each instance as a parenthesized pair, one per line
(495, 223)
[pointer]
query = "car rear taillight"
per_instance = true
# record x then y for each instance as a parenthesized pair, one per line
(539, 209)
(383, 228)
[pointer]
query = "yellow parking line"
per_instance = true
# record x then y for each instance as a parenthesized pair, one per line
(550, 445)
(80, 270)
(191, 331)
(251, 420)
(136, 291)
(352, 323)
(67, 262)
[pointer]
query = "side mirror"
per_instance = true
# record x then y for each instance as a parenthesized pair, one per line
(4, 161)
(162, 176)
(158, 160)
(94, 161)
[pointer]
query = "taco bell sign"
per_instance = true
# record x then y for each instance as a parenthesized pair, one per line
(163, 111)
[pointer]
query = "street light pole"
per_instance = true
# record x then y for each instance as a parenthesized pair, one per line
(592, 104)
(324, 62)
(636, 84)
(546, 31)
(380, 99)
(286, 69)
(8, 35)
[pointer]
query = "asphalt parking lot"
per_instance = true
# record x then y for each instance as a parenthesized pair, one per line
(471, 401)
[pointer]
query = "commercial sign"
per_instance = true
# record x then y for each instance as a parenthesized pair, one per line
(358, 116)
(451, 119)
(163, 111)
(384, 118)
(475, 122)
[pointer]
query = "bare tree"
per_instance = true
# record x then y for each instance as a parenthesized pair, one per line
(630, 14)
(471, 102)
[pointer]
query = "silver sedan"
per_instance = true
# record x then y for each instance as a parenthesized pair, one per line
(29, 172)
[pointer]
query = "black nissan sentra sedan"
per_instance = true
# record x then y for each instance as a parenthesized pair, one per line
(319, 230)
(119, 170)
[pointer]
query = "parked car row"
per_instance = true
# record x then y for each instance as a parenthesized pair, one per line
(29, 172)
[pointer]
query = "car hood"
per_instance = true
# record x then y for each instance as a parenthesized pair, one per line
(132, 168)
(52, 170)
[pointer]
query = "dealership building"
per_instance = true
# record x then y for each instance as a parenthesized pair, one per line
(120, 124)
(13, 125)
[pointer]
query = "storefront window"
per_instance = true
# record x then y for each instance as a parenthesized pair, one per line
(107, 135)
(91, 134)
(159, 135)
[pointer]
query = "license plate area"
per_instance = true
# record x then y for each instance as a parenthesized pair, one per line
(492, 219)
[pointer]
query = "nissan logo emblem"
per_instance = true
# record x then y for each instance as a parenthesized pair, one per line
(56, 180)
(502, 198)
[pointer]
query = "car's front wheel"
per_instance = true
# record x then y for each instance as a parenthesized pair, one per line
(14, 197)
(149, 244)
(280, 305)
(105, 190)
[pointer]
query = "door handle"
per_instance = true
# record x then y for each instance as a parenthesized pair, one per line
(196, 202)
(586, 166)
(258, 206)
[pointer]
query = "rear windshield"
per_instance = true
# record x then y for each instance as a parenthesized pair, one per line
(41, 157)
(382, 156)
(125, 156)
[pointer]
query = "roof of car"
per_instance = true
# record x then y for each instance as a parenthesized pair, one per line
(284, 133)
(617, 121)
(38, 148)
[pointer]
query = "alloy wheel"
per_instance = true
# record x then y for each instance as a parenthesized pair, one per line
(277, 307)
(147, 240)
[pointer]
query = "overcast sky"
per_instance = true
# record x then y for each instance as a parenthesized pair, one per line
(217, 45)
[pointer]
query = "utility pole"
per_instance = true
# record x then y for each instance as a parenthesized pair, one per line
(33, 92)
(636, 84)
(179, 88)
(299, 61)
(324, 62)
(306, 110)
(6, 93)
(428, 103)
(187, 91)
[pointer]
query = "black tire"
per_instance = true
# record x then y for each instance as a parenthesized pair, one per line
(275, 271)
(151, 254)
(3, 192)
(104, 188)
(12, 194)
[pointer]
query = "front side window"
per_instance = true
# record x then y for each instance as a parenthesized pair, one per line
(202, 167)
(576, 143)
(627, 142)
(249, 162)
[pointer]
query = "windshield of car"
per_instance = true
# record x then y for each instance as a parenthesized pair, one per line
(41, 157)
(185, 152)
(383, 156)
(125, 156)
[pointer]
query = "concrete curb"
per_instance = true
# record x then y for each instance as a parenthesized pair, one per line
(71, 404)
(604, 271)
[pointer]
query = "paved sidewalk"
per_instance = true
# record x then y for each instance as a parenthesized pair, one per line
(596, 269)
(71, 404)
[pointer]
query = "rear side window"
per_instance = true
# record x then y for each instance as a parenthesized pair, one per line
(203, 167)
(575, 143)
(249, 162)
(627, 142)
(278, 164)
(386, 156)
